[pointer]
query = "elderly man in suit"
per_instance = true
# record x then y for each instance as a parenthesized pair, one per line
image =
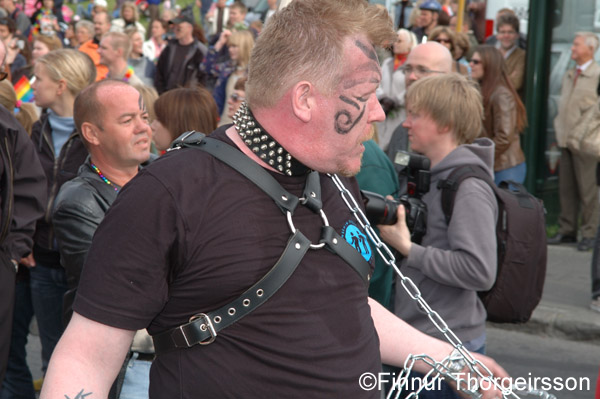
(577, 180)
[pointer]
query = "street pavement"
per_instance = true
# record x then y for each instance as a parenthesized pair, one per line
(564, 310)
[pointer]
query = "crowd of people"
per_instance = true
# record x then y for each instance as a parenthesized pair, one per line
(132, 257)
(498, 65)
(186, 79)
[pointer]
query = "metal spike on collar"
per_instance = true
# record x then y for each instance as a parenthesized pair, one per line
(263, 145)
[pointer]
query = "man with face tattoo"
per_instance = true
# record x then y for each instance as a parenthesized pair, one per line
(117, 137)
(204, 258)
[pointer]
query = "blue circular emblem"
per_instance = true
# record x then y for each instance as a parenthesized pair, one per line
(355, 237)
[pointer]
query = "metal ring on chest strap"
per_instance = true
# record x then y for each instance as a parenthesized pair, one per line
(293, 228)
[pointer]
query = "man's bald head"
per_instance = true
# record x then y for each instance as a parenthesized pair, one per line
(425, 59)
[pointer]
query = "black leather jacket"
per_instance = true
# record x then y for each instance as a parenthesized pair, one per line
(79, 208)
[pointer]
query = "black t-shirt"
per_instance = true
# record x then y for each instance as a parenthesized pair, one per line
(189, 235)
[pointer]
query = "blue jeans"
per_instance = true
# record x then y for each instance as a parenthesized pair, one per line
(48, 286)
(516, 174)
(18, 383)
(137, 379)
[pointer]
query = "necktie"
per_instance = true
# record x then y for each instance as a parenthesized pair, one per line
(577, 73)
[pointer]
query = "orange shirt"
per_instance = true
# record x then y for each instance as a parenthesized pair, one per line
(90, 48)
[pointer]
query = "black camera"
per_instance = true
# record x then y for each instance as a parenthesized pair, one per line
(381, 210)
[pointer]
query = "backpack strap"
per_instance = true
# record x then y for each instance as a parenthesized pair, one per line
(450, 185)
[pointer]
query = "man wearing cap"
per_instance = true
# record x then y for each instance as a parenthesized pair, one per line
(178, 64)
(428, 19)
(101, 26)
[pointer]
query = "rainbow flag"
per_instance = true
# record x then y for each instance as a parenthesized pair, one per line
(24, 90)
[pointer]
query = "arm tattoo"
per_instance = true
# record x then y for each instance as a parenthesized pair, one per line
(80, 395)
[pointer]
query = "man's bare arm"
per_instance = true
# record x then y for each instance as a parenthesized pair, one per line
(86, 360)
(397, 340)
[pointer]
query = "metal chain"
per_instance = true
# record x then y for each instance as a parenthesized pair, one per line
(447, 366)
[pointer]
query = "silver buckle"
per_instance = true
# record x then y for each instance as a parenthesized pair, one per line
(207, 325)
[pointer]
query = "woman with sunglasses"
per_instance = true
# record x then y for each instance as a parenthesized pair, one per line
(446, 37)
(181, 110)
(505, 115)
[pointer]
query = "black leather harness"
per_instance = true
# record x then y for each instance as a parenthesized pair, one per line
(203, 328)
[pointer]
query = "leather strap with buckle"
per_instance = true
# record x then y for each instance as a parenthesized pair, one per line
(202, 328)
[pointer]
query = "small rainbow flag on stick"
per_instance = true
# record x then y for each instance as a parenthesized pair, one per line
(24, 90)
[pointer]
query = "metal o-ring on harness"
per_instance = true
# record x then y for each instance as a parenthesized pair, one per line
(293, 228)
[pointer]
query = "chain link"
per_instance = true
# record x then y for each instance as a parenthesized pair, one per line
(445, 369)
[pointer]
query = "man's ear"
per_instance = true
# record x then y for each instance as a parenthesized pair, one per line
(303, 101)
(443, 129)
(90, 133)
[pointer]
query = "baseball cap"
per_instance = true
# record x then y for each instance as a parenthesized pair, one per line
(430, 5)
(186, 15)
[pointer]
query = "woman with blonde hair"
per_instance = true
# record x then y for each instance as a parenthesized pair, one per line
(128, 18)
(239, 44)
(143, 67)
(60, 76)
(393, 87)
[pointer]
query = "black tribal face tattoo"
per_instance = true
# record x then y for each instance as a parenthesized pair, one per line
(347, 117)
(141, 104)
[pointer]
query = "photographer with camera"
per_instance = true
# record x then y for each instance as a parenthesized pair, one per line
(457, 258)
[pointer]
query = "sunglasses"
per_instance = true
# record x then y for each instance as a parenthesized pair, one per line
(443, 40)
(237, 97)
(475, 62)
